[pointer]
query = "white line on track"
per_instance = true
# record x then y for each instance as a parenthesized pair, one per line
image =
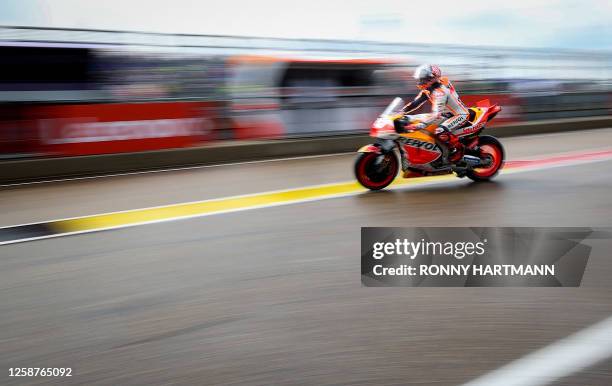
(172, 169)
(565, 357)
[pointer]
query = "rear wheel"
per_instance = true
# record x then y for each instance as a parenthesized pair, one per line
(376, 171)
(491, 151)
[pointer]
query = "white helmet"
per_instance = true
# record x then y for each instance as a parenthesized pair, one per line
(426, 75)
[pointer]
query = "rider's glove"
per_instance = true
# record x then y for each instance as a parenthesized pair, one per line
(412, 127)
(400, 124)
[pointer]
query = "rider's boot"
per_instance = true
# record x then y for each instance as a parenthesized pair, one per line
(452, 143)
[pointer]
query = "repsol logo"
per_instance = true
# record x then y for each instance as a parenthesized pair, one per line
(421, 144)
(470, 130)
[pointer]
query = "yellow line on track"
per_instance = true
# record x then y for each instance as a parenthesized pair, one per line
(213, 206)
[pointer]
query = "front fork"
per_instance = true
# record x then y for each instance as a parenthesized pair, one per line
(388, 145)
(403, 158)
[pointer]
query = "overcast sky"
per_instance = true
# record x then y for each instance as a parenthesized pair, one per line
(531, 23)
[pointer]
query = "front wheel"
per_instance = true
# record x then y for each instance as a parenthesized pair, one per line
(376, 171)
(492, 151)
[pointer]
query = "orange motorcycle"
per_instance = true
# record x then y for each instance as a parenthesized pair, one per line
(420, 153)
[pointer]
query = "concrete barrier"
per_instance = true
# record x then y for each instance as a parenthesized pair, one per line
(12, 171)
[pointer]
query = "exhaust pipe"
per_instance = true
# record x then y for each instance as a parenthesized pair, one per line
(471, 160)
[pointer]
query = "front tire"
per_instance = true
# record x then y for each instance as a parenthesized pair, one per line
(375, 175)
(491, 148)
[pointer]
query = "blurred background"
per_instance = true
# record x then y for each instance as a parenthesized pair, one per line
(80, 80)
(273, 295)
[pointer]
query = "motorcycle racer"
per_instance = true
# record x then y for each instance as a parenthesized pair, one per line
(448, 111)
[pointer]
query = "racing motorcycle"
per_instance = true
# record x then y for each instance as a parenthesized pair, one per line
(420, 153)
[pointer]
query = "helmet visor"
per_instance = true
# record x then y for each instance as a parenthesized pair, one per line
(425, 80)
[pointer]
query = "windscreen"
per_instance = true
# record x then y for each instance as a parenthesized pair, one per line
(395, 107)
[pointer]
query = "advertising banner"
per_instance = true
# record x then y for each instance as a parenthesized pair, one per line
(85, 129)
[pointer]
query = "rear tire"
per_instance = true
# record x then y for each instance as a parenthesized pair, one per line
(375, 177)
(489, 146)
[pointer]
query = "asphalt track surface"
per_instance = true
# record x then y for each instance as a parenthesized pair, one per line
(273, 295)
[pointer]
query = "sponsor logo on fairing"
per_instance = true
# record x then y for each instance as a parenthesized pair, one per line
(471, 129)
(422, 145)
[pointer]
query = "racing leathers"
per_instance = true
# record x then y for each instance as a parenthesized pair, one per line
(448, 112)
